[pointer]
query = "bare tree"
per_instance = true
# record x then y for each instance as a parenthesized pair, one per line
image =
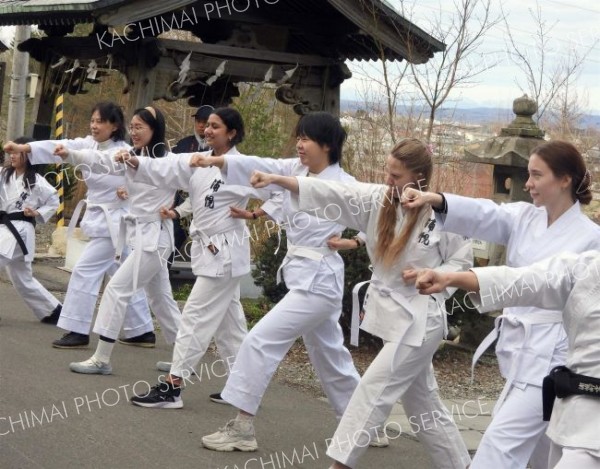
(461, 62)
(544, 80)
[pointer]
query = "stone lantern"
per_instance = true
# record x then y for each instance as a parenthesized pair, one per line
(509, 152)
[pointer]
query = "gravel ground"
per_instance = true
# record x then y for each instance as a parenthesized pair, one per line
(452, 366)
(452, 363)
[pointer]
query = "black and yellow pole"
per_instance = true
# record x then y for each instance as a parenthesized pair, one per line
(59, 179)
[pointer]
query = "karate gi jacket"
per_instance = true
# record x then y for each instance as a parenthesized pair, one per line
(569, 283)
(529, 336)
(394, 310)
(103, 207)
(212, 223)
(14, 197)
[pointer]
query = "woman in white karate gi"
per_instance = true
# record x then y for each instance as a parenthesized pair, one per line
(100, 223)
(314, 275)
(220, 255)
(150, 237)
(569, 283)
(531, 341)
(25, 198)
(398, 241)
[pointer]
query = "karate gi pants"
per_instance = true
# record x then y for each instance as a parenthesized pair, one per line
(517, 433)
(562, 457)
(96, 260)
(401, 371)
(213, 309)
(300, 313)
(36, 297)
(153, 277)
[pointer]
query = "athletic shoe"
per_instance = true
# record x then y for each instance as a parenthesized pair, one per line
(216, 397)
(163, 366)
(91, 366)
(236, 435)
(147, 340)
(379, 441)
(161, 396)
(52, 318)
(72, 340)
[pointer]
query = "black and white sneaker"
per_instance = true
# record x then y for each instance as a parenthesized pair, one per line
(218, 399)
(146, 340)
(161, 396)
(72, 340)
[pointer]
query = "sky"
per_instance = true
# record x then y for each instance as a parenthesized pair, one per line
(575, 24)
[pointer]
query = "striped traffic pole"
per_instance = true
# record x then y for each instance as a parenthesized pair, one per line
(59, 179)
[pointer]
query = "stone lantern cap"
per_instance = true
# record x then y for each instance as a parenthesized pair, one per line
(523, 125)
(515, 142)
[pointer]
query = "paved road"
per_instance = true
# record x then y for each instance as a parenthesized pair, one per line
(52, 418)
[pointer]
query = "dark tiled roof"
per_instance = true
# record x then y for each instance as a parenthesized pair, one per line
(22, 12)
(339, 29)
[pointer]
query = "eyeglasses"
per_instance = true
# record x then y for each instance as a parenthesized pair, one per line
(137, 129)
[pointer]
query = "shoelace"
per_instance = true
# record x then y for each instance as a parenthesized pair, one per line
(228, 427)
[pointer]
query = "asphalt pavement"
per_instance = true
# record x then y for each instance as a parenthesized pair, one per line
(53, 418)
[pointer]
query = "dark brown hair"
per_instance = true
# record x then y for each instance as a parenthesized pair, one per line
(416, 158)
(564, 159)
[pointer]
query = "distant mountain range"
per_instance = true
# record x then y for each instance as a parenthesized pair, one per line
(471, 115)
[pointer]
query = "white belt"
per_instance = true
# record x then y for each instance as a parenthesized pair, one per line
(308, 252)
(105, 207)
(400, 295)
(138, 240)
(525, 320)
(207, 233)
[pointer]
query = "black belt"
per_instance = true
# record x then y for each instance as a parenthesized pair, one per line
(562, 382)
(8, 218)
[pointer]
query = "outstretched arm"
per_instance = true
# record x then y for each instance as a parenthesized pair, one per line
(546, 284)
(259, 180)
(432, 281)
(198, 160)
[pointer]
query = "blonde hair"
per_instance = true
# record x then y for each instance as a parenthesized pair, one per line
(416, 158)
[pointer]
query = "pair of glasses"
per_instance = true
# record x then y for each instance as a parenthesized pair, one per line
(137, 129)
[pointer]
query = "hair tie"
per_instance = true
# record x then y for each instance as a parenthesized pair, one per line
(580, 188)
(151, 110)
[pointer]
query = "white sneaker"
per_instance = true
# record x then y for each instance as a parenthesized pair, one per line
(235, 435)
(91, 366)
(380, 440)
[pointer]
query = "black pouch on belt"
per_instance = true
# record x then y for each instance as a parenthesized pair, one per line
(562, 382)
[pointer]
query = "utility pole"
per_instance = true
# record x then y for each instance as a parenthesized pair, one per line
(18, 84)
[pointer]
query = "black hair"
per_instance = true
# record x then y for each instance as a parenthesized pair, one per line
(112, 113)
(30, 173)
(233, 121)
(325, 129)
(157, 147)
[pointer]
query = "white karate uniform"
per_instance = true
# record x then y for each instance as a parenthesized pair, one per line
(14, 197)
(311, 309)
(531, 341)
(152, 242)
(213, 308)
(569, 283)
(100, 223)
(410, 324)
